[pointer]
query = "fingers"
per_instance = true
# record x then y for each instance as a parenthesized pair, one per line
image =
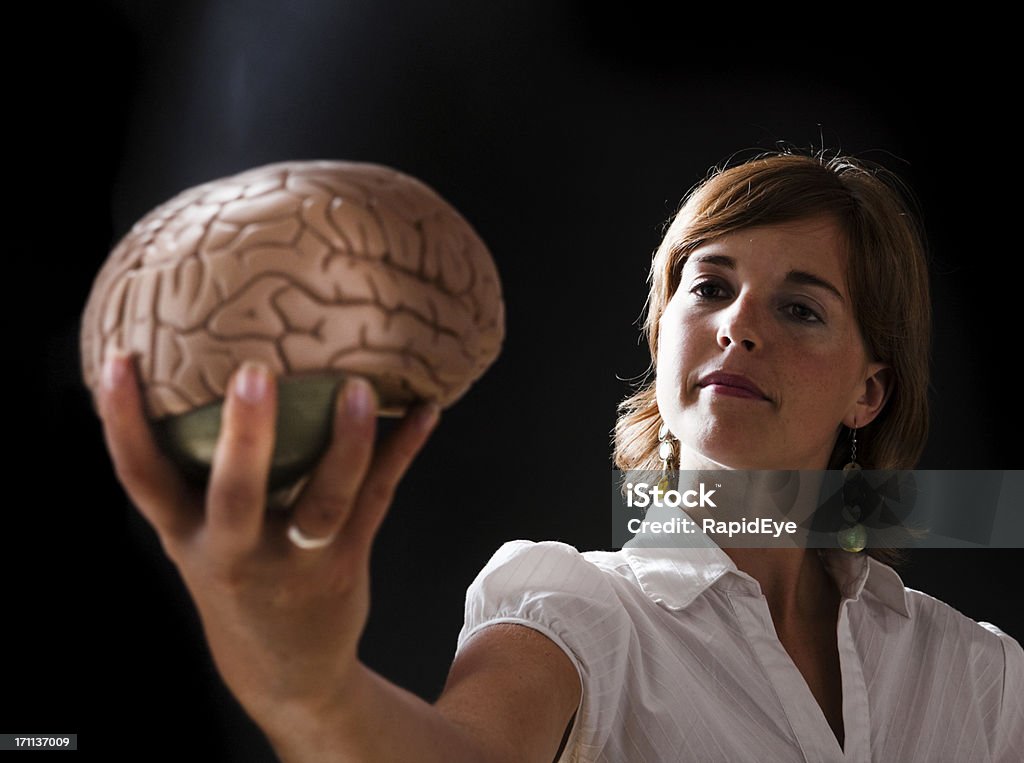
(387, 470)
(237, 491)
(148, 476)
(327, 500)
(348, 494)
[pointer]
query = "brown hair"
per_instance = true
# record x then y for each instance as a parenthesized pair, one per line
(887, 279)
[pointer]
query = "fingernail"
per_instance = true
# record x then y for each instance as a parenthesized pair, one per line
(427, 416)
(251, 381)
(357, 398)
(114, 368)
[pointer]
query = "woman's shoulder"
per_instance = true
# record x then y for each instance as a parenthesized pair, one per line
(1013, 656)
(930, 611)
(550, 583)
(549, 565)
(984, 641)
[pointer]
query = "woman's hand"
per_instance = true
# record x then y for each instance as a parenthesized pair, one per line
(283, 623)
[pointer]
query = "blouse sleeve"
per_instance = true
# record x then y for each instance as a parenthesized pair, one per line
(550, 587)
(1009, 738)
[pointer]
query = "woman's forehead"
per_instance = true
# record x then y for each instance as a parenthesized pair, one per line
(815, 242)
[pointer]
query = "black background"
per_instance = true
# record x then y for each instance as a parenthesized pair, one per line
(566, 135)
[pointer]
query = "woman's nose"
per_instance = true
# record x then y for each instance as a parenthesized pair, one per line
(741, 325)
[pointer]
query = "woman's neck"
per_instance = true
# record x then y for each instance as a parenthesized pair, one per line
(793, 578)
(798, 588)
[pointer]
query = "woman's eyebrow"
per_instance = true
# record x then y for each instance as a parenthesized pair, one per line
(801, 277)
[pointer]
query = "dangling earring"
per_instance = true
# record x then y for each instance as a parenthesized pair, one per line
(666, 452)
(853, 537)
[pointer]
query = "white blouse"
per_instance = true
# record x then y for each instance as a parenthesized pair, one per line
(679, 660)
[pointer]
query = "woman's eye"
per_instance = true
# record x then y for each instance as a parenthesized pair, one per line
(702, 290)
(804, 313)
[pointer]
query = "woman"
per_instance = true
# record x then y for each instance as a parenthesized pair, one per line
(788, 306)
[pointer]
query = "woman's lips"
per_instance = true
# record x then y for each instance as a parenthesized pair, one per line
(725, 389)
(732, 384)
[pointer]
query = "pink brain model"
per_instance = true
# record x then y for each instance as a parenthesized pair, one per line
(311, 267)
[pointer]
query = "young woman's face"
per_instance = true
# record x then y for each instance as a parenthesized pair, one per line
(769, 305)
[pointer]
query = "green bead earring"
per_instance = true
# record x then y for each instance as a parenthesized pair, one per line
(853, 537)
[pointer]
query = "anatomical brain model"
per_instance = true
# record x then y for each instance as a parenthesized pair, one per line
(317, 269)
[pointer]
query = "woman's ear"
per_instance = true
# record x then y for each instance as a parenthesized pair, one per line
(875, 392)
